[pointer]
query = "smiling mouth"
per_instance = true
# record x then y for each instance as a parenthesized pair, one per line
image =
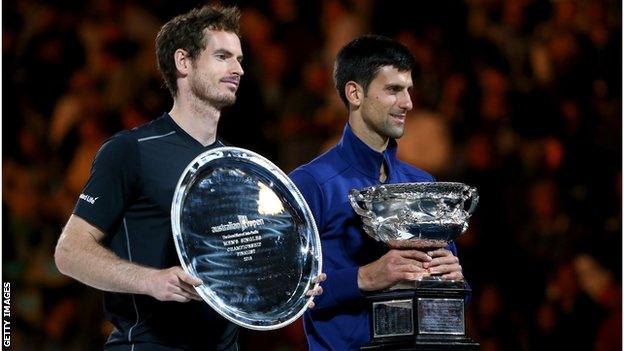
(400, 118)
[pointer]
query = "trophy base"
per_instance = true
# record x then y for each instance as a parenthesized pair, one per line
(423, 344)
(429, 316)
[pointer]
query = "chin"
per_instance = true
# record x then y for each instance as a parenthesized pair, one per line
(224, 101)
(395, 133)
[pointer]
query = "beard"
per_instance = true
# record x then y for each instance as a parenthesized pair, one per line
(384, 127)
(392, 130)
(210, 94)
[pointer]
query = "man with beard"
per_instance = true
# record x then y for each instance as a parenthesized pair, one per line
(373, 78)
(119, 237)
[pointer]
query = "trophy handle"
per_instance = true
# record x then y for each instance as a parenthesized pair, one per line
(354, 197)
(473, 195)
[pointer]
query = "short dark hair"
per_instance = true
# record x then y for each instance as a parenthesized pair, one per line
(186, 32)
(361, 59)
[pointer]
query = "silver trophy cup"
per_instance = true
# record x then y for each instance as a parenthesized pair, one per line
(428, 314)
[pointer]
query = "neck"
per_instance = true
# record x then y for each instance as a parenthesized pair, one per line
(365, 133)
(199, 119)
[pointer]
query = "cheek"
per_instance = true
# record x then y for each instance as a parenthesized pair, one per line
(392, 101)
(374, 111)
(210, 68)
(383, 104)
(209, 78)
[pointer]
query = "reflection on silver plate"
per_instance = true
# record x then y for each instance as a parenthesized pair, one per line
(241, 226)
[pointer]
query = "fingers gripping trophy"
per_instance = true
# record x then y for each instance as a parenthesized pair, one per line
(428, 314)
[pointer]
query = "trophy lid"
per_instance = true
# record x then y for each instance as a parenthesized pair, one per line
(242, 227)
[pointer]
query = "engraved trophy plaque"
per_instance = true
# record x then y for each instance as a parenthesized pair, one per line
(242, 227)
(428, 314)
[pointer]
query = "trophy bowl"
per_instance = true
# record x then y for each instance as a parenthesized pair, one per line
(415, 215)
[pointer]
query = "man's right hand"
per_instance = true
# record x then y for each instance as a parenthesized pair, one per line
(391, 268)
(172, 284)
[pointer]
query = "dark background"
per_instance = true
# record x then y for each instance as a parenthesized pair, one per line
(520, 98)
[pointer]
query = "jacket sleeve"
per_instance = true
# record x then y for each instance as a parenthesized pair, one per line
(341, 284)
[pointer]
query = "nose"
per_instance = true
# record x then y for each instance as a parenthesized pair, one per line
(237, 68)
(405, 101)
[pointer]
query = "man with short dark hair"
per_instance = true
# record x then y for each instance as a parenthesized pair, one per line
(373, 78)
(119, 237)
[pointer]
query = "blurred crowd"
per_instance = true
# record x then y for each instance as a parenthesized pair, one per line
(520, 98)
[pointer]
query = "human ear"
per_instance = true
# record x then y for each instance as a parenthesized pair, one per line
(354, 93)
(182, 61)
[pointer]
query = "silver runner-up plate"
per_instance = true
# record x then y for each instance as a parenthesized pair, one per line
(242, 227)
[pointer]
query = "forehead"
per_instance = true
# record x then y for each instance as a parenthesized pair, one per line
(391, 75)
(222, 40)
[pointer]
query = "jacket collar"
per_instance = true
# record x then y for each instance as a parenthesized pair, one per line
(362, 157)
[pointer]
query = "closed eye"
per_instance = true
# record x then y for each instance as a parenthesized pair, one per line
(397, 88)
(394, 88)
(223, 54)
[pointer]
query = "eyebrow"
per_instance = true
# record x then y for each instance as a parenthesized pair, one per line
(228, 53)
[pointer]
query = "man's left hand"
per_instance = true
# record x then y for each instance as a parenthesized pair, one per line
(444, 264)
